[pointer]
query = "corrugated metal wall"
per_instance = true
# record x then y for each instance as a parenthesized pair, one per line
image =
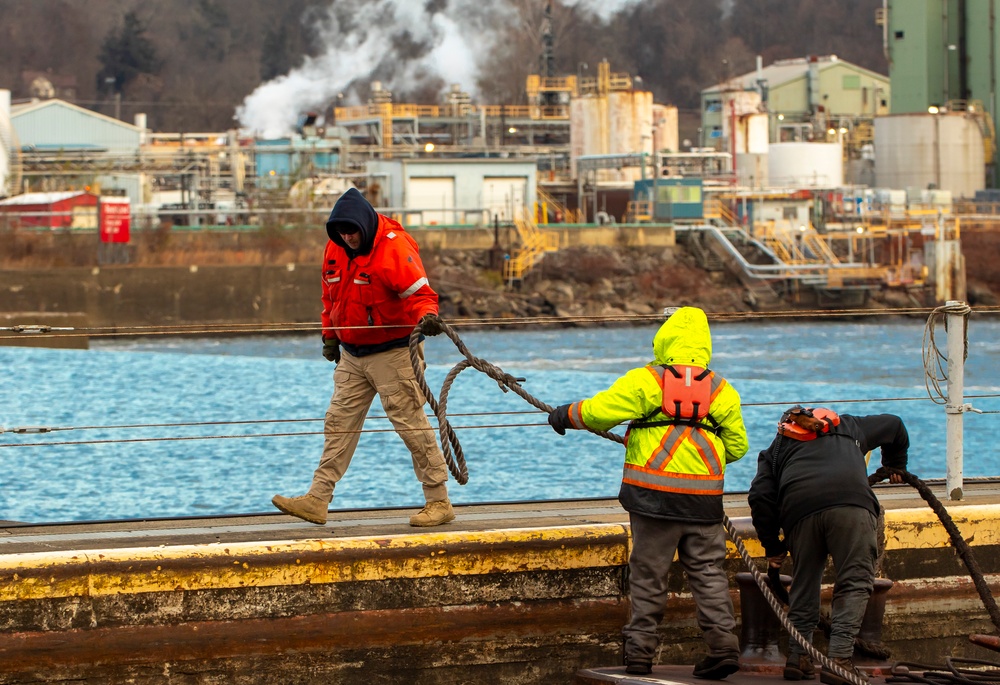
(59, 124)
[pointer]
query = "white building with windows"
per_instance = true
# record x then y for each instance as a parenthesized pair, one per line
(443, 192)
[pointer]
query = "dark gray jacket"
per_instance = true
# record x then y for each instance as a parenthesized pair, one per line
(796, 478)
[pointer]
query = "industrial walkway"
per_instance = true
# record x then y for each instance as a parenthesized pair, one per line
(20, 538)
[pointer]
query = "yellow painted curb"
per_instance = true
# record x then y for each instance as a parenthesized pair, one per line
(259, 564)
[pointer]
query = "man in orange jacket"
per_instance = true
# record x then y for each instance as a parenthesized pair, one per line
(375, 291)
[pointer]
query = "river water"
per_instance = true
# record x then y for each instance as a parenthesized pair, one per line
(107, 402)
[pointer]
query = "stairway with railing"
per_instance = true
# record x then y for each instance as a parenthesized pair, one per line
(548, 205)
(534, 245)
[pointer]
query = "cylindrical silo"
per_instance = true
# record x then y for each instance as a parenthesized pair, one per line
(920, 151)
(665, 135)
(805, 165)
(630, 121)
(6, 141)
(587, 132)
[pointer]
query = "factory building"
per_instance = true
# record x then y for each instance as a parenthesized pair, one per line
(943, 60)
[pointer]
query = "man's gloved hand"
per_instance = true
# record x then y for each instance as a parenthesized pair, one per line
(559, 419)
(331, 350)
(430, 325)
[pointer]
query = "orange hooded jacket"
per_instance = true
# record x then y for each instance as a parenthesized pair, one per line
(378, 293)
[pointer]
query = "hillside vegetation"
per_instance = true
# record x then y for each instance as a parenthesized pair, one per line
(189, 63)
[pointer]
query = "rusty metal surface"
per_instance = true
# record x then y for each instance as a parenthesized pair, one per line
(326, 633)
(525, 593)
(987, 641)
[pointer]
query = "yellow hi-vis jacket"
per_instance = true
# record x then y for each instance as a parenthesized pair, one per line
(671, 471)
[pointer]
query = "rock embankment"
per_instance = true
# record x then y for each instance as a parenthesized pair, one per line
(581, 282)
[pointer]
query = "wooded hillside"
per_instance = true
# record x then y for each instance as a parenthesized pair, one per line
(189, 63)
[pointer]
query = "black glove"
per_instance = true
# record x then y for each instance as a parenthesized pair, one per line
(331, 350)
(559, 419)
(430, 325)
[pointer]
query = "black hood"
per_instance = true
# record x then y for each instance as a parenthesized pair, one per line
(352, 208)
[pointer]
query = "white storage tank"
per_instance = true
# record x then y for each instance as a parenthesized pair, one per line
(805, 165)
(665, 130)
(6, 142)
(943, 151)
(618, 122)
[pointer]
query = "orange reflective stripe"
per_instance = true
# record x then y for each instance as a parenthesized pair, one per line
(706, 448)
(682, 483)
(575, 415)
(718, 383)
(672, 439)
(657, 372)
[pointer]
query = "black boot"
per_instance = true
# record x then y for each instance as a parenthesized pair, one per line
(717, 667)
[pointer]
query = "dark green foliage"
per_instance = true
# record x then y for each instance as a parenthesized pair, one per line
(125, 54)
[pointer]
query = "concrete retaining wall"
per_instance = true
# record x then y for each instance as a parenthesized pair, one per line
(500, 606)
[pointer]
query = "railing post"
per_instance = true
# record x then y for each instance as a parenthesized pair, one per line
(955, 327)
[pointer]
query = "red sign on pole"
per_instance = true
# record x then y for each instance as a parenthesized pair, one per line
(115, 219)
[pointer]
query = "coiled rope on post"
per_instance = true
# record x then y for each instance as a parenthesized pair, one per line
(458, 468)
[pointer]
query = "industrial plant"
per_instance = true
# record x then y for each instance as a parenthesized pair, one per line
(809, 177)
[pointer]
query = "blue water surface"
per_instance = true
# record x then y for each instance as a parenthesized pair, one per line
(120, 464)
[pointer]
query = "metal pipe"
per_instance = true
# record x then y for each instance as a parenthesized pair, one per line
(955, 325)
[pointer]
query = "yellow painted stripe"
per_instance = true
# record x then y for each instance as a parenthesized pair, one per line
(216, 566)
(921, 529)
(260, 564)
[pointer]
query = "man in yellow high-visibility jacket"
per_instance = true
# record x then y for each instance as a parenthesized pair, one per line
(685, 425)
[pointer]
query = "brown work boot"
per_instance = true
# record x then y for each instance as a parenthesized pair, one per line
(306, 507)
(434, 514)
(826, 675)
(799, 668)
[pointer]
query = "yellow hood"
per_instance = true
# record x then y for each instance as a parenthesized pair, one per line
(684, 338)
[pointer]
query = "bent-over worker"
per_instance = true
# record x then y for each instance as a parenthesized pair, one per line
(812, 485)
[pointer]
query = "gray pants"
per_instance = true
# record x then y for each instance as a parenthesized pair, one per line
(701, 551)
(848, 535)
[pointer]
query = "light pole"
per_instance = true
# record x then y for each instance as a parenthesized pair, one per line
(110, 80)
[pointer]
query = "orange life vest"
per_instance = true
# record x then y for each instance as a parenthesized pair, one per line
(686, 397)
(801, 423)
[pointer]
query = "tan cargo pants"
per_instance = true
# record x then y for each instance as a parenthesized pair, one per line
(355, 383)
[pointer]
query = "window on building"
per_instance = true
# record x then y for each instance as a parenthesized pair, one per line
(851, 82)
(713, 105)
(898, 35)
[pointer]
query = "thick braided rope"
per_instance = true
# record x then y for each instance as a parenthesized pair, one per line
(507, 382)
(957, 541)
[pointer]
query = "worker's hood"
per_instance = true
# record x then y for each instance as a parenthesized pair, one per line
(684, 338)
(352, 209)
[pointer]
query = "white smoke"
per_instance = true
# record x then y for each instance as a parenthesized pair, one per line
(403, 43)
(602, 8)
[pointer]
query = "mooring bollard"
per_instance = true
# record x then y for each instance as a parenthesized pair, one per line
(760, 632)
(870, 634)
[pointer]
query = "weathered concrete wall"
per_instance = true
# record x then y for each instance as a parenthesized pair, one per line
(501, 606)
(119, 296)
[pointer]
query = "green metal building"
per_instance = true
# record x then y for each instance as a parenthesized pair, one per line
(804, 97)
(944, 54)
